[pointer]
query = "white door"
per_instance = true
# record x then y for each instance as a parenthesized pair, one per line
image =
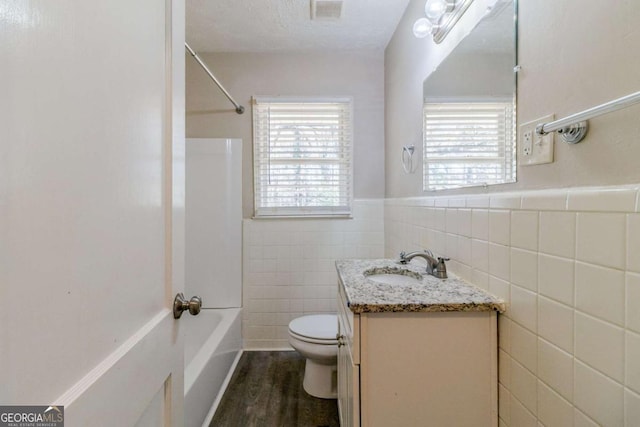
(91, 208)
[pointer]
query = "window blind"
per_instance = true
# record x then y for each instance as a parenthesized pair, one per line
(467, 144)
(302, 157)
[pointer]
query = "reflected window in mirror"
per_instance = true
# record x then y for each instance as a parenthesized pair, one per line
(468, 143)
(469, 132)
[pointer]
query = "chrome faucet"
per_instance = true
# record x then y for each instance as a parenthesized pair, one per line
(435, 266)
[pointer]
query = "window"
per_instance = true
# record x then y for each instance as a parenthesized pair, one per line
(302, 153)
(467, 144)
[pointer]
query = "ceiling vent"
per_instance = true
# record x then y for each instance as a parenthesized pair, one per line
(326, 10)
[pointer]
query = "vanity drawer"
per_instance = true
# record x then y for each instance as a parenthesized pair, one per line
(349, 324)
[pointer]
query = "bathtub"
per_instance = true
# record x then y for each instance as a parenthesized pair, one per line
(212, 346)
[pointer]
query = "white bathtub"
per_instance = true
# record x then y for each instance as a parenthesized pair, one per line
(212, 344)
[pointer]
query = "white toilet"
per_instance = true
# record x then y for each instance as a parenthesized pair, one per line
(314, 337)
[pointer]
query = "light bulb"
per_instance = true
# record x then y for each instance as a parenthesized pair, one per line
(422, 28)
(435, 9)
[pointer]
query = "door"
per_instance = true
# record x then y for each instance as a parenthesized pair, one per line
(91, 208)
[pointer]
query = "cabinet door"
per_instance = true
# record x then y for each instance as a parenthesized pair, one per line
(343, 385)
(440, 367)
(348, 383)
(353, 391)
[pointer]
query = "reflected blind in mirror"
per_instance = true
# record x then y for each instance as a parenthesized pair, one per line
(468, 144)
(302, 157)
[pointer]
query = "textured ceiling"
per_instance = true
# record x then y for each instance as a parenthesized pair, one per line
(285, 25)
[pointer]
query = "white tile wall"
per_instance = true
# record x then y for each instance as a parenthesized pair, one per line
(600, 292)
(581, 420)
(499, 265)
(524, 307)
(632, 301)
(553, 409)
(480, 224)
(499, 227)
(631, 408)
(633, 242)
(524, 268)
(520, 416)
(555, 323)
(480, 255)
(568, 264)
(556, 278)
(596, 231)
(557, 233)
(289, 267)
(632, 368)
(524, 386)
(598, 396)
(504, 397)
(600, 345)
(524, 230)
(524, 346)
(602, 200)
(555, 368)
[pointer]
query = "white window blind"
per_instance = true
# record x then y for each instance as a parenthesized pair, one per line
(467, 144)
(302, 157)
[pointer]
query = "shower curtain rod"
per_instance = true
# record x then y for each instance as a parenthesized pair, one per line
(239, 108)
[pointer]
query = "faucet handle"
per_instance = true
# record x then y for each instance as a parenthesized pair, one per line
(403, 260)
(441, 266)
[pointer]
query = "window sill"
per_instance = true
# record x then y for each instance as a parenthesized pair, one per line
(302, 217)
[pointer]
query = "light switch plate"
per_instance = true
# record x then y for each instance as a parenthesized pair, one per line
(534, 149)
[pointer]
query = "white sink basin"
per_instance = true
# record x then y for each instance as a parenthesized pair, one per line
(393, 276)
(393, 279)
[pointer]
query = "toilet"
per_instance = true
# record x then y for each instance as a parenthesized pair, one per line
(314, 337)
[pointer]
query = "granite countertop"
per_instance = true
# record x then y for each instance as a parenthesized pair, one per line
(429, 295)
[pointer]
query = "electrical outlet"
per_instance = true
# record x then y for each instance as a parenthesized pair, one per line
(527, 142)
(535, 149)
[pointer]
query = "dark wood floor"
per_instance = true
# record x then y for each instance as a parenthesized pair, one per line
(266, 391)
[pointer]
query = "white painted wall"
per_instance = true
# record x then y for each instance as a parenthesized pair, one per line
(574, 54)
(357, 74)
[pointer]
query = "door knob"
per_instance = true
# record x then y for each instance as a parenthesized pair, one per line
(180, 304)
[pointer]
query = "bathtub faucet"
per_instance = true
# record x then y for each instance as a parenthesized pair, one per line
(435, 266)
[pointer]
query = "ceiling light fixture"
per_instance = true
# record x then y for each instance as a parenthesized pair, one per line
(435, 9)
(441, 16)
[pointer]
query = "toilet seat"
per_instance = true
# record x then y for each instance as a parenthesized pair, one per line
(317, 329)
(312, 340)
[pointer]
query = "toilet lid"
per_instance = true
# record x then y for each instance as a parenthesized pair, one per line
(317, 326)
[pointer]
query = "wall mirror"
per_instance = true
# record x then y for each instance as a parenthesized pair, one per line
(469, 118)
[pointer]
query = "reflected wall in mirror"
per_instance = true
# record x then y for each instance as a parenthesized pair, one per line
(469, 107)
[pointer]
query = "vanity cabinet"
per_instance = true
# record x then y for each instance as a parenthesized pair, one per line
(417, 368)
(348, 366)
